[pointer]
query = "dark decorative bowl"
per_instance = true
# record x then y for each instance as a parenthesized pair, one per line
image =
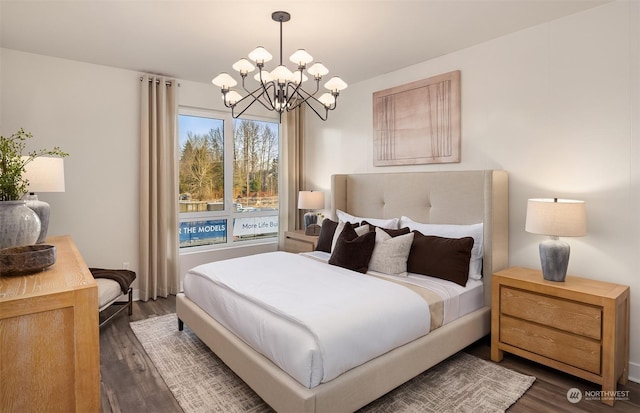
(27, 259)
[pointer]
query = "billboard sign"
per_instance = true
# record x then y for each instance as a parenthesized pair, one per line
(255, 226)
(194, 233)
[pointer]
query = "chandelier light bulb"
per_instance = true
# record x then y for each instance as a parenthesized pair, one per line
(301, 57)
(224, 81)
(243, 66)
(260, 55)
(335, 84)
(317, 70)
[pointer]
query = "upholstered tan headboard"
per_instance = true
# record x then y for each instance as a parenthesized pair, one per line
(457, 197)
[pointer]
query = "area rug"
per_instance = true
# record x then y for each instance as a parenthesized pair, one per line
(201, 382)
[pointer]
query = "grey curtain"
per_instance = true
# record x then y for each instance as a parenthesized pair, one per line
(158, 273)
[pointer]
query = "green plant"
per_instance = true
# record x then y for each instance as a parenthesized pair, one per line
(12, 164)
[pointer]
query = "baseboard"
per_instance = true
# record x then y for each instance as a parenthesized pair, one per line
(634, 372)
(134, 297)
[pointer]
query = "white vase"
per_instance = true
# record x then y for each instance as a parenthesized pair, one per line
(19, 225)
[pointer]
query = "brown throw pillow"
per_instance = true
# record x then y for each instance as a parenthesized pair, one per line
(352, 251)
(446, 258)
(392, 232)
(325, 239)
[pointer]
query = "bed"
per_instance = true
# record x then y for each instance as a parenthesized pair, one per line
(460, 197)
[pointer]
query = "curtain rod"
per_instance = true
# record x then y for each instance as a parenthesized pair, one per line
(158, 81)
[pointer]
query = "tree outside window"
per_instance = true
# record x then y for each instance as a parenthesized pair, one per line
(250, 157)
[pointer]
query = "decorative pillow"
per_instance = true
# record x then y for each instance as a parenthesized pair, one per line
(455, 231)
(325, 239)
(384, 223)
(446, 258)
(392, 232)
(360, 229)
(390, 253)
(352, 251)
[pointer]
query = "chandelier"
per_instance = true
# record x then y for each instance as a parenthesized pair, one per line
(281, 89)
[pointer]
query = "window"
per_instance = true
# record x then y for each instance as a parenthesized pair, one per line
(228, 179)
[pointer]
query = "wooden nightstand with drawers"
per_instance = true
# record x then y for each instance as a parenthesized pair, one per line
(297, 241)
(578, 326)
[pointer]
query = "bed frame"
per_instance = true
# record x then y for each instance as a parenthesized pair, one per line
(462, 197)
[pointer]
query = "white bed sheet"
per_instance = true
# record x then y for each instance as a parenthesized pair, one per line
(458, 301)
(313, 320)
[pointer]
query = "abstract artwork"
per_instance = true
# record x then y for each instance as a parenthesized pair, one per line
(418, 123)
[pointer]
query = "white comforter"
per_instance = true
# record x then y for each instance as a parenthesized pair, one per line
(315, 321)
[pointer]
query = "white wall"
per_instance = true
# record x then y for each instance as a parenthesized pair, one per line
(557, 107)
(92, 112)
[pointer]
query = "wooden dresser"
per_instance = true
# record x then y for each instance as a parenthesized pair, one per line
(579, 326)
(49, 338)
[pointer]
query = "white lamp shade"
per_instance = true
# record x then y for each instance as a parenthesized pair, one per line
(243, 66)
(266, 76)
(327, 99)
(260, 55)
(281, 74)
(295, 77)
(556, 217)
(45, 174)
(310, 200)
(224, 81)
(232, 97)
(301, 57)
(317, 70)
(335, 84)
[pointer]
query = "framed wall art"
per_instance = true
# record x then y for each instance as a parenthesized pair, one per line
(418, 123)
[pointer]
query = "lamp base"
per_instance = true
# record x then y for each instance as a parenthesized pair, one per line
(310, 218)
(41, 209)
(19, 225)
(554, 257)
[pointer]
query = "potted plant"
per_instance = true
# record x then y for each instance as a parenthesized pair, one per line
(18, 223)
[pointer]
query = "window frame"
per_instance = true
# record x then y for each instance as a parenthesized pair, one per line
(229, 213)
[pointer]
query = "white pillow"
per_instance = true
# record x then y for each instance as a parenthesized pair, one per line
(383, 223)
(360, 230)
(390, 253)
(476, 231)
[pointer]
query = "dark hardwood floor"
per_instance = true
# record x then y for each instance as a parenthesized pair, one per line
(129, 380)
(131, 383)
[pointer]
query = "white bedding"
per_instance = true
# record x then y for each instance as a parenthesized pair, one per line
(458, 301)
(313, 320)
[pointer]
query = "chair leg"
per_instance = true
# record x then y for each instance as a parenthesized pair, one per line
(123, 306)
(130, 301)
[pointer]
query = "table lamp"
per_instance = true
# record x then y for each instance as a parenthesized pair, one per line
(556, 218)
(45, 174)
(310, 200)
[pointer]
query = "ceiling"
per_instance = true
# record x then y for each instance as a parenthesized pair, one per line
(196, 40)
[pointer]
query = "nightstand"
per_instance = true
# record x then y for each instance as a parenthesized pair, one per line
(578, 326)
(297, 241)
